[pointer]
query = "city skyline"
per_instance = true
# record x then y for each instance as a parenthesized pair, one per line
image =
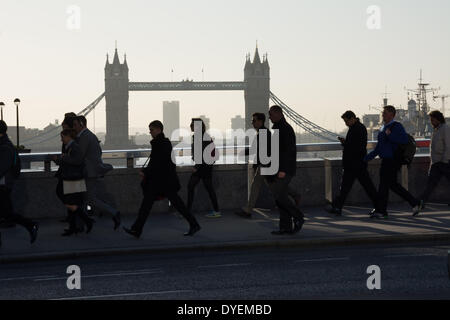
(321, 58)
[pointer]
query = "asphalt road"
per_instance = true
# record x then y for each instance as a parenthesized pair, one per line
(413, 271)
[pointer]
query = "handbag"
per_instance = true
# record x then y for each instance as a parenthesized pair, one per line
(77, 186)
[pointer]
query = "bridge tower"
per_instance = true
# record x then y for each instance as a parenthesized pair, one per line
(116, 96)
(257, 91)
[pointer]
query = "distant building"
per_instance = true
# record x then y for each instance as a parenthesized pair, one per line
(238, 123)
(206, 121)
(171, 119)
(371, 120)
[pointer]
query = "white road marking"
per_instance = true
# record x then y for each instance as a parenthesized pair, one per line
(224, 266)
(323, 260)
(125, 295)
(105, 275)
(412, 255)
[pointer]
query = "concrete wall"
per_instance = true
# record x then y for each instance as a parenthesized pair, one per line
(34, 194)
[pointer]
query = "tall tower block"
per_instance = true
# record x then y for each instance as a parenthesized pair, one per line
(116, 96)
(257, 91)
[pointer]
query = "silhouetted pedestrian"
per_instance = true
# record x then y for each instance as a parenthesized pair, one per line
(203, 169)
(71, 178)
(390, 137)
(291, 218)
(355, 150)
(97, 196)
(9, 171)
(160, 180)
(440, 156)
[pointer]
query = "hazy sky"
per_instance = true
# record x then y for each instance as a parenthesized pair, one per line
(323, 57)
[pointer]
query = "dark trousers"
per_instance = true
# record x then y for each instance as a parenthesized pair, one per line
(7, 210)
(147, 204)
(288, 210)
(388, 180)
(348, 179)
(203, 174)
(75, 220)
(437, 171)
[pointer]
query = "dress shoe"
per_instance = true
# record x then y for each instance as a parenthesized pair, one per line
(132, 232)
(281, 232)
(33, 233)
(244, 214)
(298, 224)
(116, 220)
(192, 230)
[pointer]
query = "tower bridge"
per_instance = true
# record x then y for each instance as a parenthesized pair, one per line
(256, 88)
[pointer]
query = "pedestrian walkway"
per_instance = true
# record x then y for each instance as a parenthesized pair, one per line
(164, 232)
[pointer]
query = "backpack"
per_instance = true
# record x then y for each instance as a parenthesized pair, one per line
(405, 152)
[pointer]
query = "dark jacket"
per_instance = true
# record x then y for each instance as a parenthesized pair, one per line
(7, 154)
(355, 147)
(161, 173)
(388, 144)
(205, 144)
(92, 154)
(72, 163)
(288, 147)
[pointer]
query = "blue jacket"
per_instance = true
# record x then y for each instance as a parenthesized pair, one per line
(387, 144)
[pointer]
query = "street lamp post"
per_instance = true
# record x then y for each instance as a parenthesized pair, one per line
(2, 104)
(17, 102)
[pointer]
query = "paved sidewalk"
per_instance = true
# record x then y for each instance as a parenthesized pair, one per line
(164, 232)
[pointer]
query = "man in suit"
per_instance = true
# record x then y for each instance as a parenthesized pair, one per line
(258, 122)
(95, 170)
(8, 174)
(355, 149)
(159, 180)
(391, 135)
(279, 184)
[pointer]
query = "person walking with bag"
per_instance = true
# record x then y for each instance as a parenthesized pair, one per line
(97, 196)
(390, 137)
(71, 175)
(9, 172)
(203, 169)
(160, 179)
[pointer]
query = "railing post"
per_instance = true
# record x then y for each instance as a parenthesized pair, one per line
(328, 180)
(47, 166)
(130, 163)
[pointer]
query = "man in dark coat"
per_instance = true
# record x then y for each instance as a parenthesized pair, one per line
(160, 179)
(355, 150)
(279, 184)
(8, 174)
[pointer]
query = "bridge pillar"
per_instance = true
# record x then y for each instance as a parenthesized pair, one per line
(257, 91)
(116, 96)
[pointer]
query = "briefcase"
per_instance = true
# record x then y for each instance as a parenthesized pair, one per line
(77, 186)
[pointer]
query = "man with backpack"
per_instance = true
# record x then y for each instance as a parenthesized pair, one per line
(9, 171)
(394, 149)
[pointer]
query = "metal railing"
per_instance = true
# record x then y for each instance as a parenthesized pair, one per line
(131, 155)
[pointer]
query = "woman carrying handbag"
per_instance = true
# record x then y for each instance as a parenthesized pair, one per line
(74, 186)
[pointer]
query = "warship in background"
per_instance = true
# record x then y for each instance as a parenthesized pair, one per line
(415, 118)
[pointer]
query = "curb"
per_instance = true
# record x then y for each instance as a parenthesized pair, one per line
(238, 245)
